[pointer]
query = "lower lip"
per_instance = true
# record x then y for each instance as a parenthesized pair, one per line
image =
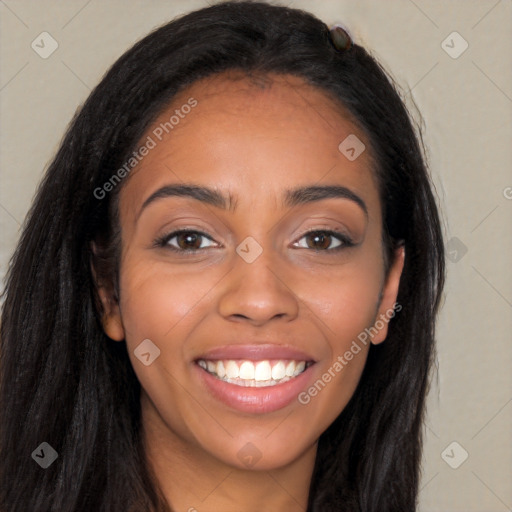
(255, 400)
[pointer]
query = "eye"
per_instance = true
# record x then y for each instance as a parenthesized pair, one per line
(324, 240)
(185, 240)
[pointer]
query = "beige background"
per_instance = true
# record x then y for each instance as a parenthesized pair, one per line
(466, 104)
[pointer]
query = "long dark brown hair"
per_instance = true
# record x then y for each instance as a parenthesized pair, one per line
(62, 381)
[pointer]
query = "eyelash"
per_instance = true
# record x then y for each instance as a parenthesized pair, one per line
(163, 241)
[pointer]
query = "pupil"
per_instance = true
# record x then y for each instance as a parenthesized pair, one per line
(189, 240)
(319, 241)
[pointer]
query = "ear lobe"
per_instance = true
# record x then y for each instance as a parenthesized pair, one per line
(111, 313)
(111, 319)
(389, 296)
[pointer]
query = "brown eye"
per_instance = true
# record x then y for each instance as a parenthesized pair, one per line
(185, 241)
(319, 240)
(324, 240)
(189, 240)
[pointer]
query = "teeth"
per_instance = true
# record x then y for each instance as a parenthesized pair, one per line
(290, 368)
(263, 371)
(300, 367)
(252, 373)
(278, 371)
(247, 370)
(232, 371)
(221, 371)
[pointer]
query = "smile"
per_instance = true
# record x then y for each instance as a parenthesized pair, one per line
(247, 373)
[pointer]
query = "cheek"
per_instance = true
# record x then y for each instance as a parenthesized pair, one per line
(345, 299)
(156, 297)
(163, 303)
(343, 303)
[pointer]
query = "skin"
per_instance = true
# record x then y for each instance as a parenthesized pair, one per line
(253, 142)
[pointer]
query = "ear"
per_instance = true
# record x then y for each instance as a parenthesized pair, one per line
(111, 320)
(389, 295)
(111, 312)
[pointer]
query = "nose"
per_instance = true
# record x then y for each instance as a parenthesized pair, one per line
(258, 292)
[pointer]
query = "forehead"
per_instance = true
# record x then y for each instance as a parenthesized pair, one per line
(265, 103)
(257, 134)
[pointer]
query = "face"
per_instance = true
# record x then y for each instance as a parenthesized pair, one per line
(252, 261)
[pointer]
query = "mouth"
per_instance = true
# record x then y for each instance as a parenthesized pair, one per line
(255, 379)
(250, 374)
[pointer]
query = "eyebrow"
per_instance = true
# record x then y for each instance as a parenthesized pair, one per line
(293, 197)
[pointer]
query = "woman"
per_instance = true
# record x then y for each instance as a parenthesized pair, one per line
(225, 293)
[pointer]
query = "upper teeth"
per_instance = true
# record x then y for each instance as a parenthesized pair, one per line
(253, 373)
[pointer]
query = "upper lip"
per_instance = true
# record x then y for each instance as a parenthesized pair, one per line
(256, 352)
